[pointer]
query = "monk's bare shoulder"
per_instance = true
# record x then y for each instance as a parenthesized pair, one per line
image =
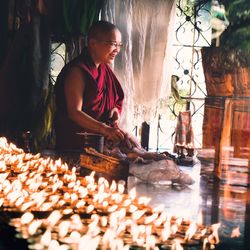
(74, 78)
(74, 90)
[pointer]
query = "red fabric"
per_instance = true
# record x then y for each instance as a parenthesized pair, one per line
(102, 93)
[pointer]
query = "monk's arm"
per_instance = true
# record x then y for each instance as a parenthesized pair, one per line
(74, 91)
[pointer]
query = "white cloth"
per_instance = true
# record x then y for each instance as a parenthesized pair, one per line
(144, 64)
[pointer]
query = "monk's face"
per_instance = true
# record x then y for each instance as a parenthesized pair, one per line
(107, 47)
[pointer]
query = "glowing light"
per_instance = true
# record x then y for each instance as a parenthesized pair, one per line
(235, 232)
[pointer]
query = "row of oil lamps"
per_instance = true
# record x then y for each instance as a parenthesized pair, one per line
(54, 208)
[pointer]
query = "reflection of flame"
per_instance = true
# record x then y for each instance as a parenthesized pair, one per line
(235, 232)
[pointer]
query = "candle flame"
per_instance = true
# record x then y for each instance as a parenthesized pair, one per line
(138, 214)
(113, 186)
(191, 231)
(26, 218)
(132, 193)
(121, 188)
(46, 238)
(150, 218)
(53, 218)
(33, 226)
(63, 228)
(176, 245)
(150, 242)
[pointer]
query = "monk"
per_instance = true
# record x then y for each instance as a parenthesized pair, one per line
(89, 97)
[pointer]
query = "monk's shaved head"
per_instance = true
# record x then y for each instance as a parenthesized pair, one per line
(100, 29)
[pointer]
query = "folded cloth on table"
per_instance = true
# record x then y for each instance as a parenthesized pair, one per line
(163, 172)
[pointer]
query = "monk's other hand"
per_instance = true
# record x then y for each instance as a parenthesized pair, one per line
(131, 141)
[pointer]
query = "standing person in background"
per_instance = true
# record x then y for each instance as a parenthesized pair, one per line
(89, 97)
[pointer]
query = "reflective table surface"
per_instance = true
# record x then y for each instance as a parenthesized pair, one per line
(221, 192)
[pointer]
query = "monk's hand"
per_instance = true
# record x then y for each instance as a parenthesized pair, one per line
(114, 117)
(113, 134)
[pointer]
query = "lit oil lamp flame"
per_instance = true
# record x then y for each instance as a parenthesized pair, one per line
(74, 237)
(178, 221)
(158, 209)
(144, 200)
(151, 218)
(132, 193)
(26, 218)
(138, 214)
(150, 242)
(76, 222)
(191, 231)
(113, 186)
(176, 245)
(46, 238)
(63, 228)
(121, 188)
(53, 218)
(174, 228)
(54, 245)
(166, 232)
(1, 201)
(89, 243)
(33, 226)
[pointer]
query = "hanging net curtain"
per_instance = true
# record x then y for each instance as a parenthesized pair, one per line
(144, 64)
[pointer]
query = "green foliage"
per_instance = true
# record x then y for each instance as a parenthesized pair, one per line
(79, 15)
(241, 39)
(235, 40)
(237, 35)
(42, 134)
(238, 10)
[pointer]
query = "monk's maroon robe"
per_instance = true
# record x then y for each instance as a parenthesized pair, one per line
(102, 93)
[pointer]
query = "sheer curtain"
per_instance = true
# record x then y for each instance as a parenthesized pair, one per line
(144, 65)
